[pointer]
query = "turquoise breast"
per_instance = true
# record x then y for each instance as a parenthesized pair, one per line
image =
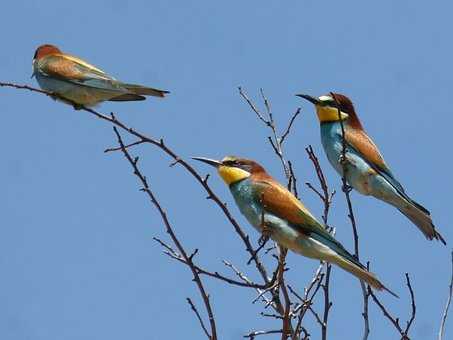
(246, 200)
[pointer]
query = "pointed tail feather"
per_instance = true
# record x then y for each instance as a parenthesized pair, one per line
(421, 218)
(127, 98)
(362, 274)
(146, 91)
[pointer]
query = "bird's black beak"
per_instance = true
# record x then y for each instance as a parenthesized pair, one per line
(311, 99)
(209, 161)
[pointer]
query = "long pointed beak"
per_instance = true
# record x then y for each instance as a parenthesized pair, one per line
(311, 99)
(209, 161)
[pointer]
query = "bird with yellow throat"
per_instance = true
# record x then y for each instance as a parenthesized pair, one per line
(363, 165)
(268, 204)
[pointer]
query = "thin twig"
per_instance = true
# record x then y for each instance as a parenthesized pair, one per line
(287, 331)
(175, 255)
(126, 146)
(447, 305)
(276, 141)
(188, 258)
(161, 145)
(326, 197)
(347, 189)
(395, 320)
(288, 129)
(195, 310)
(254, 334)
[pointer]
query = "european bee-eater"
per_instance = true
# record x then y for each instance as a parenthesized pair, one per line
(81, 83)
(272, 209)
(365, 168)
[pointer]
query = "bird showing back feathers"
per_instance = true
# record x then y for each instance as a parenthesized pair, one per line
(81, 84)
(271, 208)
(363, 166)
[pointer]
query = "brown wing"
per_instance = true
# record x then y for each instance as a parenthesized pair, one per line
(360, 141)
(71, 68)
(279, 201)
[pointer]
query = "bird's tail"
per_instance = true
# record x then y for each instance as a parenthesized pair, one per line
(330, 250)
(422, 219)
(359, 271)
(146, 91)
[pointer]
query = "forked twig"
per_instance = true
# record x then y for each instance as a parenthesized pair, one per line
(187, 258)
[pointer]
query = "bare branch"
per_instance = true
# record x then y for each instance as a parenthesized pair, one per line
(288, 129)
(254, 334)
(216, 275)
(347, 189)
(188, 259)
(413, 307)
(126, 146)
(395, 320)
(161, 145)
(292, 183)
(447, 305)
(195, 310)
(253, 107)
(276, 141)
(287, 331)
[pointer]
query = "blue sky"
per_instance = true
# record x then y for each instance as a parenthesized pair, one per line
(76, 250)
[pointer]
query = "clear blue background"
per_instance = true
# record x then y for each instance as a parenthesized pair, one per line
(77, 259)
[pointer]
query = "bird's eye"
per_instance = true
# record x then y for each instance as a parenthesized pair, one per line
(229, 163)
(331, 103)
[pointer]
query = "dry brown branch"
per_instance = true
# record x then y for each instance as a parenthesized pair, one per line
(269, 291)
(175, 255)
(447, 305)
(142, 138)
(347, 189)
(195, 310)
(307, 301)
(275, 139)
(276, 142)
(395, 320)
(187, 258)
(326, 197)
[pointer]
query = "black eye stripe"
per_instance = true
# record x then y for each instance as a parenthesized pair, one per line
(330, 103)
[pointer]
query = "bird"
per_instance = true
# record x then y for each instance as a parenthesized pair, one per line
(364, 167)
(272, 209)
(79, 83)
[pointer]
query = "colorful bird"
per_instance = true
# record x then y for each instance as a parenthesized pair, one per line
(80, 83)
(365, 168)
(272, 209)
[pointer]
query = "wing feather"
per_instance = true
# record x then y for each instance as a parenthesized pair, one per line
(74, 70)
(278, 200)
(359, 141)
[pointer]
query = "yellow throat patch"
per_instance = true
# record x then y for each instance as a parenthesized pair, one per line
(329, 114)
(231, 174)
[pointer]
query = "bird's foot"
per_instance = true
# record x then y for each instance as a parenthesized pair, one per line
(266, 233)
(343, 159)
(346, 188)
(77, 107)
